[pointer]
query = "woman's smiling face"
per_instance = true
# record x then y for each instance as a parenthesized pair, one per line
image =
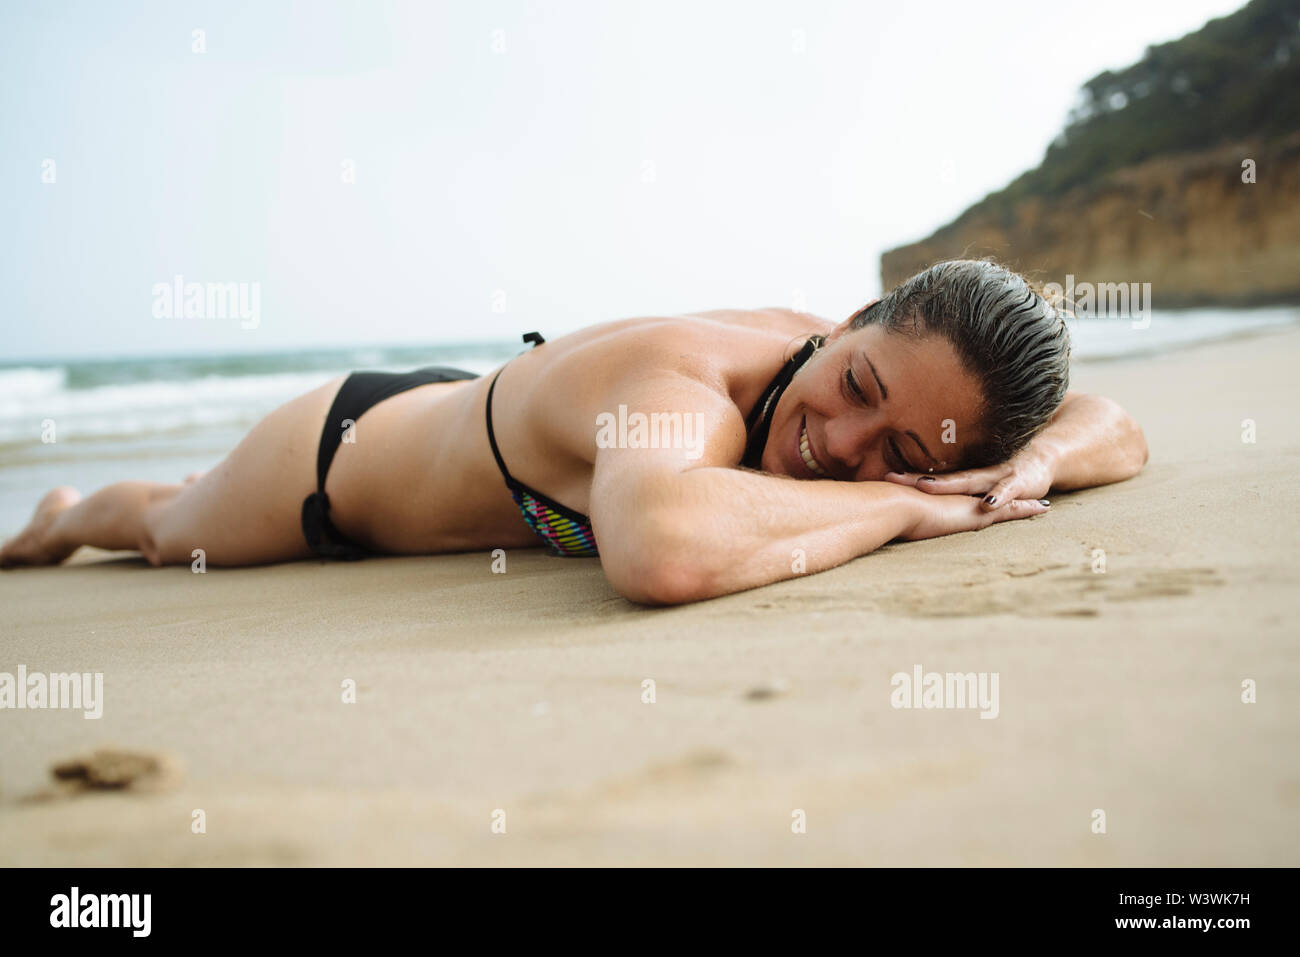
(872, 401)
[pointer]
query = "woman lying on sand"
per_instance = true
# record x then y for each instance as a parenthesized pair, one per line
(941, 408)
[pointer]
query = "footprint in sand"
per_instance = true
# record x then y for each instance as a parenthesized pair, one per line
(1059, 591)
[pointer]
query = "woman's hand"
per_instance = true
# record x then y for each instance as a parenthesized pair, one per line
(947, 514)
(1026, 475)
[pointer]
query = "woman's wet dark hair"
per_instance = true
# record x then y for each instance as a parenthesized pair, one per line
(1011, 339)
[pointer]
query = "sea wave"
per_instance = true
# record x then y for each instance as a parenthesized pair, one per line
(129, 398)
(162, 406)
(29, 381)
(1094, 338)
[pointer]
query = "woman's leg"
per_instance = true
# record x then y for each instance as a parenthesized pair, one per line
(245, 511)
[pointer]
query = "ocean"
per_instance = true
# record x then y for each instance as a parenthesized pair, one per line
(91, 422)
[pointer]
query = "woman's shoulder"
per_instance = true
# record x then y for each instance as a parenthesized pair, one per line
(715, 334)
(773, 319)
(719, 349)
(714, 347)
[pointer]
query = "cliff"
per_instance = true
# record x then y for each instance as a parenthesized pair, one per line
(1146, 182)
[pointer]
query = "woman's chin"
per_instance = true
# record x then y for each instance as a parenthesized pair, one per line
(773, 465)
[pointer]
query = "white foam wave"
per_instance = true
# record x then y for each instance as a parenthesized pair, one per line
(144, 407)
(25, 382)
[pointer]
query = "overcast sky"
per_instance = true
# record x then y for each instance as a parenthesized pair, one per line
(516, 165)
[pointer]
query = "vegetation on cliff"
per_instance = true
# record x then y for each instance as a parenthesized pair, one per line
(1236, 78)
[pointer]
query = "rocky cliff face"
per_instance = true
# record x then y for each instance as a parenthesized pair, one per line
(1186, 223)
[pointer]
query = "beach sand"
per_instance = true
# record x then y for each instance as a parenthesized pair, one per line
(522, 692)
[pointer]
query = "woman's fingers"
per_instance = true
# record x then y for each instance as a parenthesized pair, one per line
(1017, 508)
(970, 482)
(1001, 493)
(947, 514)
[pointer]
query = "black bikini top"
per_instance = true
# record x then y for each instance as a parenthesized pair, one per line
(759, 422)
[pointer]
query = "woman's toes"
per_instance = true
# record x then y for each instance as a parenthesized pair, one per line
(31, 546)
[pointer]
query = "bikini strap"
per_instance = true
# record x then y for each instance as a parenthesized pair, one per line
(536, 339)
(492, 437)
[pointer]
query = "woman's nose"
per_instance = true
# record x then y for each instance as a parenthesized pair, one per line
(849, 436)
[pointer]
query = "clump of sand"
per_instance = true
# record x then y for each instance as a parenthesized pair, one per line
(111, 769)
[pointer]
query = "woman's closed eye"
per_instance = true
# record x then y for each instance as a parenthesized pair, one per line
(855, 390)
(857, 394)
(900, 464)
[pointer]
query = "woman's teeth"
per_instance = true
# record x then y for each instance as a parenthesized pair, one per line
(806, 453)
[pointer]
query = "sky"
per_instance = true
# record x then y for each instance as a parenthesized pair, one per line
(390, 173)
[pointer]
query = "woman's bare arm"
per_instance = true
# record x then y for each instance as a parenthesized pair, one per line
(675, 528)
(1091, 441)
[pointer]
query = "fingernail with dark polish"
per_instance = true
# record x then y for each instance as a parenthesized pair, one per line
(1044, 502)
(990, 500)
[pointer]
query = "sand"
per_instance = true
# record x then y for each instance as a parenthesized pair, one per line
(518, 698)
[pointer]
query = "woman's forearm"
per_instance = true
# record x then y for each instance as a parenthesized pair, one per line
(1091, 441)
(715, 531)
(667, 539)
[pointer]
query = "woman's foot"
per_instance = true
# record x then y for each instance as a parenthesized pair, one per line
(32, 546)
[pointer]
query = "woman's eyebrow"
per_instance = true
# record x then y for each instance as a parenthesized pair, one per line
(884, 394)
